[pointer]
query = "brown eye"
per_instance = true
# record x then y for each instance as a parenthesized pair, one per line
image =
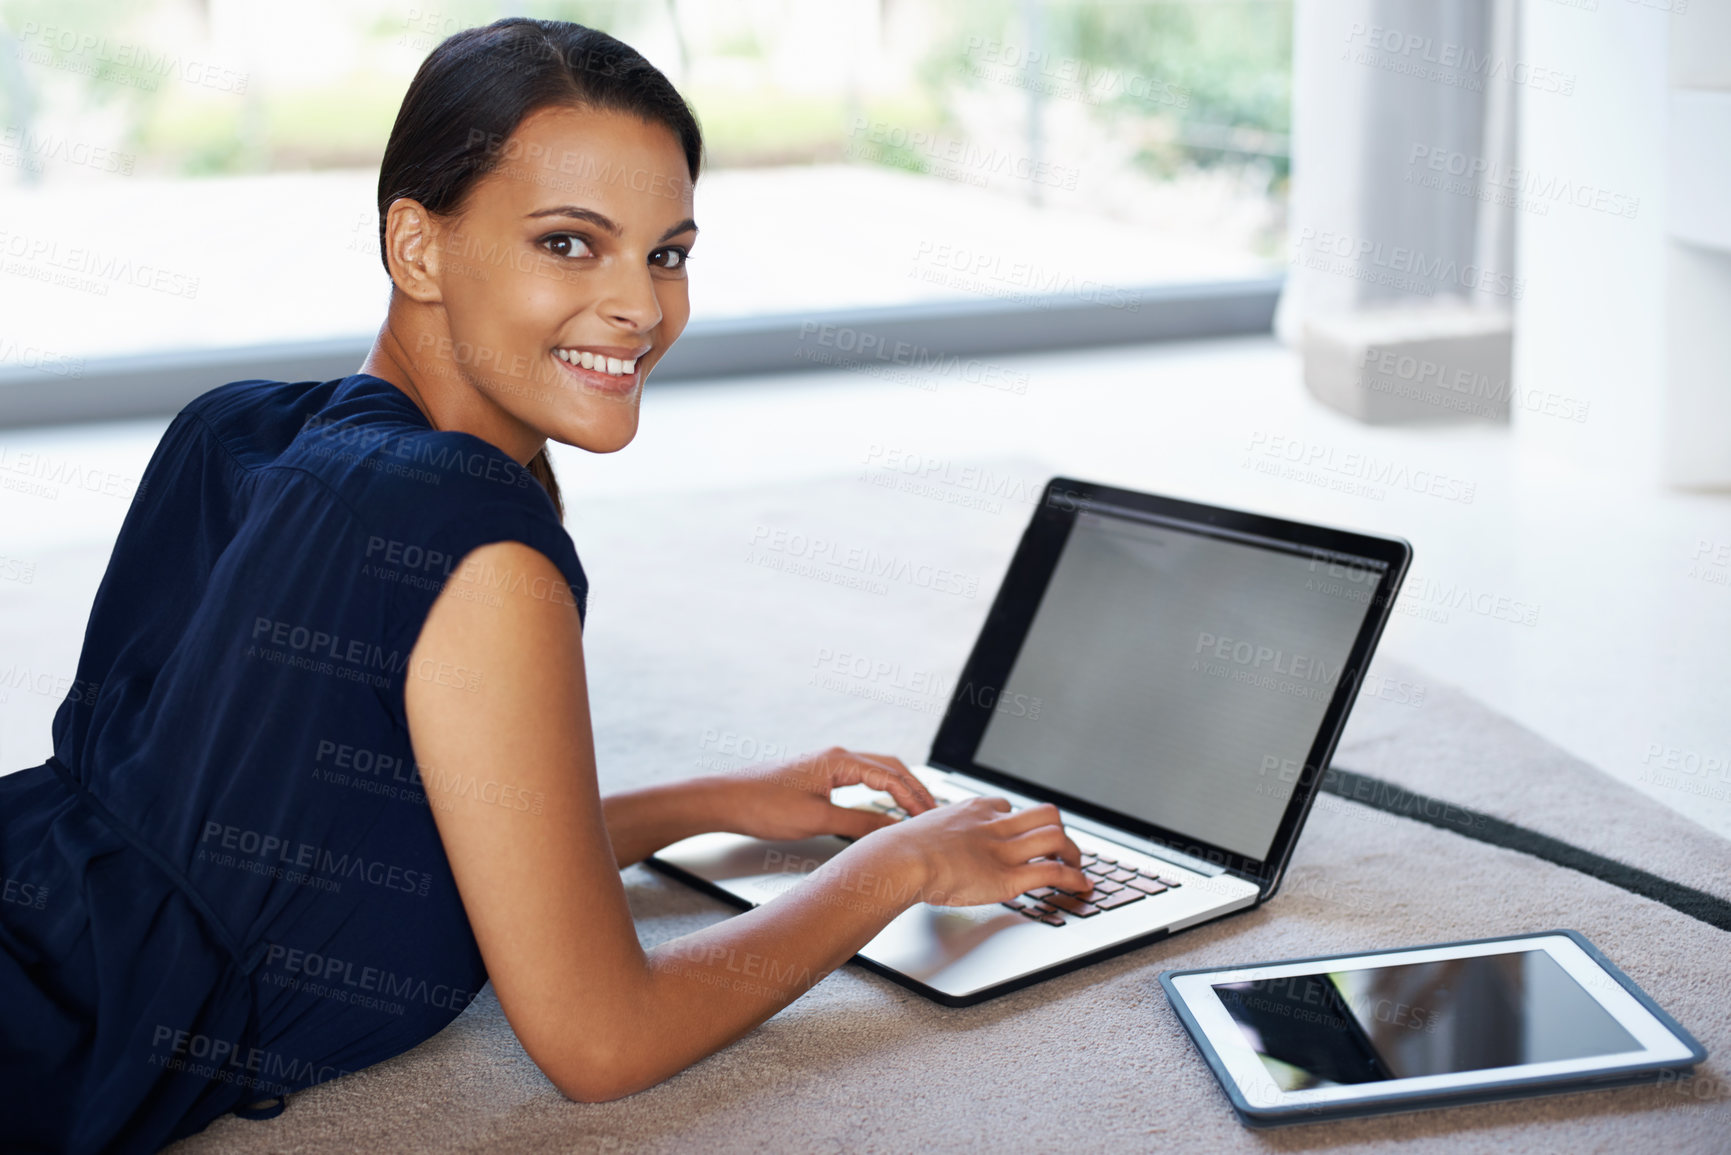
(669, 258)
(566, 245)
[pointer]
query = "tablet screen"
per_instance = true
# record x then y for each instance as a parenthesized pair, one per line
(1333, 1028)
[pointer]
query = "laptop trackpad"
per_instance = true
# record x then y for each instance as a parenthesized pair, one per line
(923, 940)
(755, 869)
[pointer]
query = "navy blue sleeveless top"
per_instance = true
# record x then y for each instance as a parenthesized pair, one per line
(227, 883)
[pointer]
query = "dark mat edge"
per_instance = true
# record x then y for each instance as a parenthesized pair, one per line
(1390, 798)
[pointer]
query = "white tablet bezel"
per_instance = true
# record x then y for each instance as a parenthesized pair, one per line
(1659, 1044)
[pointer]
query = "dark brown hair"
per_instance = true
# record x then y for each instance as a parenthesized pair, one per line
(478, 85)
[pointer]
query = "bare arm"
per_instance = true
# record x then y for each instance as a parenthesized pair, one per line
(642, 821)
(788, 799)
(542, 891)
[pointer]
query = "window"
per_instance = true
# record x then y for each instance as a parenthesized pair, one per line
(200, 173)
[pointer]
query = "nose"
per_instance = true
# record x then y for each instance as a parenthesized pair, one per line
(629, 300)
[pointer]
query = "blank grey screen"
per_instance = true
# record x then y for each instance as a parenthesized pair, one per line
(1178, 678)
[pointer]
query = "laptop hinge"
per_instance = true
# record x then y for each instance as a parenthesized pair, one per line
(1149, 846)
(1104, 830)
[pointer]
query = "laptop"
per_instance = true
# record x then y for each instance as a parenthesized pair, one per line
(1174, 678)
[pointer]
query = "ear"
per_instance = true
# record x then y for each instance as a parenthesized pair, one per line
(412, 248)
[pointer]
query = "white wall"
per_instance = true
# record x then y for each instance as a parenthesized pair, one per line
(1590, 325)
(1697, 442)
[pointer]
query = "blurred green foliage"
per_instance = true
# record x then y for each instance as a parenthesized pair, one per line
(1192, 82)
(1200, 82)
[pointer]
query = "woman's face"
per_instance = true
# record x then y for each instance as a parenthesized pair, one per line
(571, 251)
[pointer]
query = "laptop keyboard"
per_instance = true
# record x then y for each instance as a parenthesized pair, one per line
(1116, 884)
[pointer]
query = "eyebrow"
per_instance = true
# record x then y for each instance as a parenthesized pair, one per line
(604, 223)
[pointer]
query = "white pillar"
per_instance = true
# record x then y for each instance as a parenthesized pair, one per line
(1590, 238)
(1696, 447)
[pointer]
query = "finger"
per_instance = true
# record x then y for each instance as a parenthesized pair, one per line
(1049, 872)
(1045, 814)
(1045, 842)
(921, 795)
(837, 767)
(882, 772)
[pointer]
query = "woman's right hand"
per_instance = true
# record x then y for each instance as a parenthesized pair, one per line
(979, 851)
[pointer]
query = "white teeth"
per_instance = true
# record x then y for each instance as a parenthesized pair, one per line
(599, 363)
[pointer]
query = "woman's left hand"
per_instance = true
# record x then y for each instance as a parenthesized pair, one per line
(788, 800)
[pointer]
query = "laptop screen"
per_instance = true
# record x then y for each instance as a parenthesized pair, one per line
(1179, 674)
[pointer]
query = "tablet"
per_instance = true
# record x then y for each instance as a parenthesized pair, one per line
(1304, 1040)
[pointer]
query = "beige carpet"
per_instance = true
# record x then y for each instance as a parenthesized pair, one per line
(701, 643)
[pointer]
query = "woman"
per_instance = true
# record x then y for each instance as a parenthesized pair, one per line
(327, 767)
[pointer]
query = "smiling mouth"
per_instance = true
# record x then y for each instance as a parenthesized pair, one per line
(617, 366)
(618, 375)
